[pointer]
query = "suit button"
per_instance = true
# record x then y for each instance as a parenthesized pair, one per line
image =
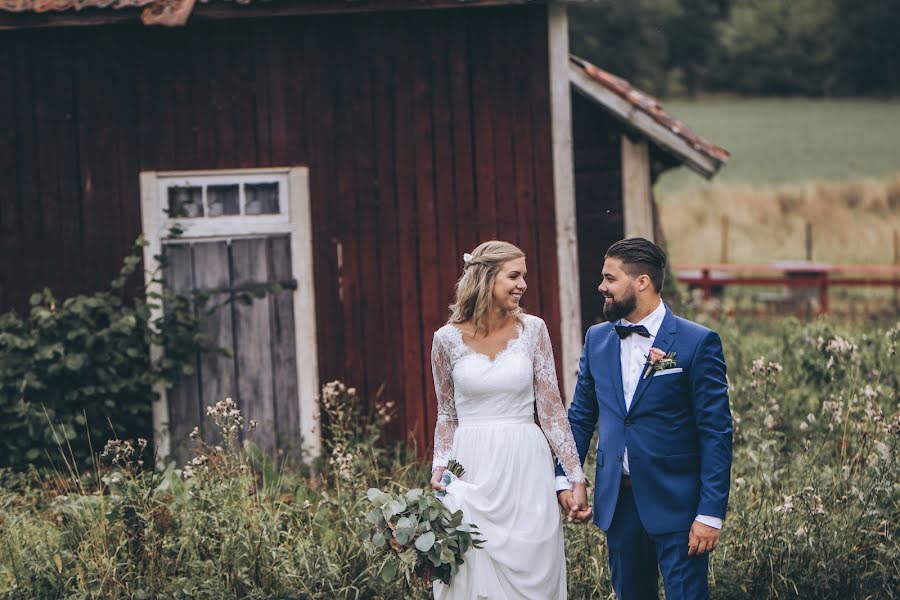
(627, 422)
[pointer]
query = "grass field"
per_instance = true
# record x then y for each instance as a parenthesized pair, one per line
(790, 140)
(832, 163)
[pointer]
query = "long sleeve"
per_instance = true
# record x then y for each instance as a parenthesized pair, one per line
(447, 421)
(709, 392)
(551, 410)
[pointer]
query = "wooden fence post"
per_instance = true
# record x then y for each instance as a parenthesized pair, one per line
(723, 248)
(809, 241)
(896, 264)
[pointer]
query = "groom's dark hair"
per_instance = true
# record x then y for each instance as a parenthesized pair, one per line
(639, 257)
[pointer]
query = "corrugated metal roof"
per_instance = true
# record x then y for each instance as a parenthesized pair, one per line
(645, 113)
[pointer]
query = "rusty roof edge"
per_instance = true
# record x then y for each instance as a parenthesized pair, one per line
(647, 114)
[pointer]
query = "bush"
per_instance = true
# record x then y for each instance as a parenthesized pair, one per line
(814, 509)
(80, 370)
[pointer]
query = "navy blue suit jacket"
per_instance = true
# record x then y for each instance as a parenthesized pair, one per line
(678, 429)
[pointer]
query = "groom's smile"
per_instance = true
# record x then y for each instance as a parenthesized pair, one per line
(617, 287)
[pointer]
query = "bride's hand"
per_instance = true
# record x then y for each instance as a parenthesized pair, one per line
(436, 479)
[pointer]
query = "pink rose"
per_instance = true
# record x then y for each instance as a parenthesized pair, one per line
(656, 355)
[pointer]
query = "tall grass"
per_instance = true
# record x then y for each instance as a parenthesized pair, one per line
(852, 221)
(814, 512)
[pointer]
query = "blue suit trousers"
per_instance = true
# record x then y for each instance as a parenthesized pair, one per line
(636, 558)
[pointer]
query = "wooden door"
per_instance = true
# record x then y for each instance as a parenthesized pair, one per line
(260, 375)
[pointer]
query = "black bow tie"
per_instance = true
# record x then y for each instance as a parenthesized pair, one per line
(625, 330)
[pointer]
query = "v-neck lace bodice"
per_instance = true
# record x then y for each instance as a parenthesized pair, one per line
(473, 388)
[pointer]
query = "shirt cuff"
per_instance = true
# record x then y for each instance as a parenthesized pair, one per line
(714, 522)
(562, 484)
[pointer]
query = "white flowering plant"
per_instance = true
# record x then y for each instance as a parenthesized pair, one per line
(416, 536)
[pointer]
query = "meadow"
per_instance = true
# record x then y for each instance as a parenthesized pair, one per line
(834, 164)
(814, 509)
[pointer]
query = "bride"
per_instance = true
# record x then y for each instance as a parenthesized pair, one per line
(492, 365)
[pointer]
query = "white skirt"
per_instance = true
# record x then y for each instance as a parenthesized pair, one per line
(508, 492)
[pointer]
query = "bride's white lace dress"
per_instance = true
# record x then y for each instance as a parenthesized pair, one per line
(486, 422)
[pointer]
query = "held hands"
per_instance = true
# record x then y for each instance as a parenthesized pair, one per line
(436, 479)
(702, 539)
(575, 503)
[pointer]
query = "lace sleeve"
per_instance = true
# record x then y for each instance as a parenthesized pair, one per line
(445, 428)
(551, 410)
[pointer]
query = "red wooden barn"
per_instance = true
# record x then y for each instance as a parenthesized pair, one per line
(354, 148)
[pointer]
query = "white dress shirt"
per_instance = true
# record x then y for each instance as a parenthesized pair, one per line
(633, 352)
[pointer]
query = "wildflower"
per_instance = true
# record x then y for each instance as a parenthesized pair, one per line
(307, 505)
(770, 422)
(787, 506)
(801, 532)
(804, 426)
(252, 424)
(187, 472)
(195, 433)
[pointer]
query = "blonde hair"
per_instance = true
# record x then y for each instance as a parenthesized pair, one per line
(475, 286)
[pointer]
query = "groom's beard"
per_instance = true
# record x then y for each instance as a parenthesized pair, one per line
(613, 310)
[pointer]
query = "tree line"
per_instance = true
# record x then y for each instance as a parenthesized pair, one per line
(753, 47)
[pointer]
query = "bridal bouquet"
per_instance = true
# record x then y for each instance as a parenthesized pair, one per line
(417, 535)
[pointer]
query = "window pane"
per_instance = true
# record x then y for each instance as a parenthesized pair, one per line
(261, 198)
(222, 200)
(185, 202)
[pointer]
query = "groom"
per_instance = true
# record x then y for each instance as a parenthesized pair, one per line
(654, 385)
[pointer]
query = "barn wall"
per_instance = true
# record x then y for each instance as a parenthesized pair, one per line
(424, 133)
(598, 197)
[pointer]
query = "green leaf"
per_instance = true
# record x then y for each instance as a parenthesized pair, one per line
(372, 494)
(425, 541)
(389, 571)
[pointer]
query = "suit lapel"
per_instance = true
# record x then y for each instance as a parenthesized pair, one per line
(664, 339)
(612, 356)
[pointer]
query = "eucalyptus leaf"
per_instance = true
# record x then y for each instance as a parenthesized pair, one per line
(425, 541)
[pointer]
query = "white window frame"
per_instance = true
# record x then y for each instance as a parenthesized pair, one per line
(294, 219)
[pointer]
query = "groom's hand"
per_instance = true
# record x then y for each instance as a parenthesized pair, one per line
(702, 539)
(574, 503)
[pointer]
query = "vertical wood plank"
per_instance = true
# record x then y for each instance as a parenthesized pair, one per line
(523, 140)
(348, 108)
(636, 190)
(387, 222)
(564, 304)
(32, 270)
(259, 85)
(184, 396)
(483, 133)
(428, 265)
(273, 46)
(319, 123)
(222, 108)
(253, 349)
(284, 358)
(216, 373)
(462, 140)
(443, 36)
(243, 90)
(372, 332)
(500, 103)
(10, 223)
(410, 320)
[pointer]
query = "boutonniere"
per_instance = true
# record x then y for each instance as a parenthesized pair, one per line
(657, 360)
